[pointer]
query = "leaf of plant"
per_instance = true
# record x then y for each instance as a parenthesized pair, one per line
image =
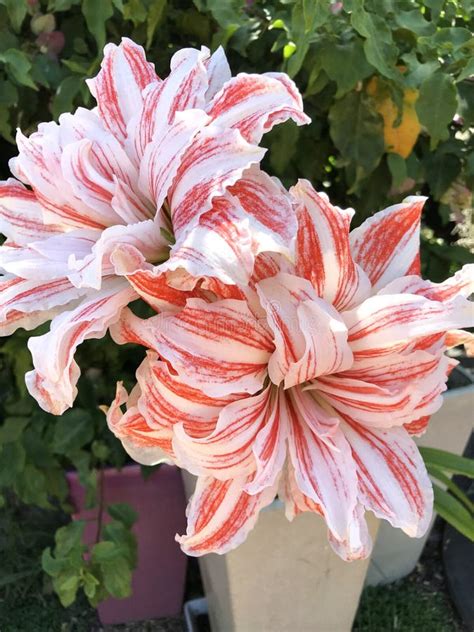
(12, 429)
(155, 15)
(451, 486)
(398, 169)
(73, 430)
(453, 512)
(447, 461)
(66, 585)
(16, 10)
(8, 93)
(357, 130)
(18, 67)
(96, 13)
(5, 127)
(12, 462)
(440, 171)
(116, 571)
(123, 513)
(67, 91)
(379, 48)
(69, 538)
(345, 64)
(436, 106)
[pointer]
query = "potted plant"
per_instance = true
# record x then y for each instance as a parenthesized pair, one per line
(119, 548)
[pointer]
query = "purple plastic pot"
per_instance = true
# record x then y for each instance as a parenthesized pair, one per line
(158, 581)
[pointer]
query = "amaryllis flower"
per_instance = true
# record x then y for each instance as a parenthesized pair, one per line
(159, 182)
(310, 385)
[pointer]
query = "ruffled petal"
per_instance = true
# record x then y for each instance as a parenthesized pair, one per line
(460, 284)
(145, 444)
(53, 381)
(21, 216)
(144, 237)
(383, 323)
(227, 451)
(323, 254)
(28, 304)
(220, 347)
(321, 457)
(118, 87)
(218, 72)
(221, 515)
(387, 244)
(214, 162)
(393, 482)
(183, 89)
(253, 104)
(310, 336)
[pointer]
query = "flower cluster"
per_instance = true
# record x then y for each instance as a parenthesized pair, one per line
(288, 356)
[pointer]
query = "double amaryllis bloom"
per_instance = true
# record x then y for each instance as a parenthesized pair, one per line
(288, 356)
(307, 383)
(159, 183)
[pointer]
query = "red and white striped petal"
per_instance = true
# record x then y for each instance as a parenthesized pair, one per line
(167, 400)
(53, 381)
(144, 237)
(295, 501)
(146, 445)
(460, 284)
(393, 482)
(92, 169)
(118, 87)
(383, 322)
(269, 447)
(28, 304)
(270, 210)
(310, 336)
(163, 158)
(323, 254)
(221, 515)
(227, 451)
(324, 468)
(357, 544)
(214, 162)
(387, 245)
(149, 281)
(457, 337)
(218, 72)
(220, 246)
(39, 162)
(220, 347)
(253, 104)
(21, 216)
(183, 89)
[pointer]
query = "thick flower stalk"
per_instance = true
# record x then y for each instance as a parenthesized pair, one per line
(309, 383)
(148, 195)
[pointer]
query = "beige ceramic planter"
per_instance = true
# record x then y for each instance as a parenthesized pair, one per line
(284, 578)
(395, 554)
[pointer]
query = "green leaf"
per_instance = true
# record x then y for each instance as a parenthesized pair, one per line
(12, 429)
(357, 131)
(345, 64)
(18, 67)
(5, 127)
(155, 15)
(124, 513)
(436, 105)
(8, 93)
(30, 486)
(307, 16)
(398, 169)
(12, 462)
(452, 487)
(441, 170)
(116, 571)
(50, 564)
(69, 538)
(67, 91)
(447, 461)
(453, 512)
(228, 14)
(73, 430)
(66, 585)
(379, 48)
(135, 11)
(283, 146)
(96, 13)
(90, 585)
(16, 10)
